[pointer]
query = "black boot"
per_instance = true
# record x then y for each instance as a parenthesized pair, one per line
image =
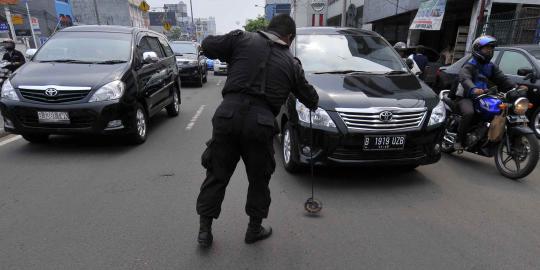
(205, 232)
(256, 231)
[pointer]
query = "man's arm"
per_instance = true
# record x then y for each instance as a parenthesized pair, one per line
(501, 80)
(302, 90)
(466, 80)
(220, 47)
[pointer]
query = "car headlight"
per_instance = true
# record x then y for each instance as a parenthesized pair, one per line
(8, 92)
(318, 118)
(111, 91)
(438, 114)
(193, 62)
(521, 106)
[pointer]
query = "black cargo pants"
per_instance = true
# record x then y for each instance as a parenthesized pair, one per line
(243, 127)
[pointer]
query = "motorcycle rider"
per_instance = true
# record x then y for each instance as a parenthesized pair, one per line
(13, 56)
(475, 77)
(401, 48)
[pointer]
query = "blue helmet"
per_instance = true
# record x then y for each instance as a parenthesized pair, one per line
(480, 43)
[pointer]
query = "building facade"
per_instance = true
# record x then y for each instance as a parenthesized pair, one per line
(205, 27)
(305, 15)
(346, 13)
(110, 12)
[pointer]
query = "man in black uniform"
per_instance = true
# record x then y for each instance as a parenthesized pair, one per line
(13, 56)
(262, 73)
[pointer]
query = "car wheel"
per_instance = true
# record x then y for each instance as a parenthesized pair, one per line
(36, 138)
(205, 80)
(535, 122)
(140, 122)
(173, 109)
(200, 80)
(289, 148)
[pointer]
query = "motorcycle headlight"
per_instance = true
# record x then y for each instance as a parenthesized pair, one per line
(8, 92)
(438, 114)
(318, 118)
(521, 105)
(111, 91)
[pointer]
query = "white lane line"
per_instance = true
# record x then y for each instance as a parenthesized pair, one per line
(10, 140)
(195, 117)
(219, 82)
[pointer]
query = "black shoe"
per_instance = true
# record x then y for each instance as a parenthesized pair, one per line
(205, 239)
(260, 233)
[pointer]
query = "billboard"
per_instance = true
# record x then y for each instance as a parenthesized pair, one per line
(429, 16)
(9, 2)
(160, 18)
(64, 13)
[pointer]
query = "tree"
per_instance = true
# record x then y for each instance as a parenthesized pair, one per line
(175, 34)
(254, 25)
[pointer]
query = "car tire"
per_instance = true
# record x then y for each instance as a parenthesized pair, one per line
(200, 80)
(535, 122)
(289, 149)
(205, 79)
(140, 122)
(36, 138)
(173, 109)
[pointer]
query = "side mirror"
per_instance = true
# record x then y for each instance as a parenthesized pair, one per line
(409, 63)
(30, 53)
(528, 73)
(150, 57)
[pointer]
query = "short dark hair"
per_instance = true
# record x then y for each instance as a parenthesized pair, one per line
(283, 25)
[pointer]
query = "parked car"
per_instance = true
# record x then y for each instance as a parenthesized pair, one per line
(210, 64)
(510, 59)
(92, 80)
(372, 109)
(220, 68)
(191, 62)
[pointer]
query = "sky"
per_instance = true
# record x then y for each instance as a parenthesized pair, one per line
(230, 14)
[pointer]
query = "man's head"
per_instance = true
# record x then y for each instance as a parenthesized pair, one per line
(483, 48)
(9, 44)
(284, 26)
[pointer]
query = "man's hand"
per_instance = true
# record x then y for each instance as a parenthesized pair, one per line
(478, 91)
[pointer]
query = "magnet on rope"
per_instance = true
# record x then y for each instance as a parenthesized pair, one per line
(313, 206)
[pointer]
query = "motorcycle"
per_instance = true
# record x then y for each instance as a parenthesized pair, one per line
(4, 72)
(500, 132)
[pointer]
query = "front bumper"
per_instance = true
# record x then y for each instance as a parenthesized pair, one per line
(85, 118)
(189, 73)
(334, 148)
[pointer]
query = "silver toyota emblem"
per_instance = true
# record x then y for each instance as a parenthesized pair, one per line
(51, 92)
(385, 116)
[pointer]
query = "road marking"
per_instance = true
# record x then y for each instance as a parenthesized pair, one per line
(219, 82)
(10, 139)
(195, 117)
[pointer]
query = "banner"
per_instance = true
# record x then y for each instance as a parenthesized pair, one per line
(9, 2)
(429, 16)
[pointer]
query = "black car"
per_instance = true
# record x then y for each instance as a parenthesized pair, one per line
(93, 80)
(372, 109)
(191, 62)
(509, 59)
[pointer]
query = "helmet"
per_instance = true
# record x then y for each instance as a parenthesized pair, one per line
(9, 44)
(400, 46)
(480, 43)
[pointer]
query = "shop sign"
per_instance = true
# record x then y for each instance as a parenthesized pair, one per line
(17, 19)
(9, 2)
(429, 16)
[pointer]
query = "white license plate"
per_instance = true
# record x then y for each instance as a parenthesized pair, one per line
(53, 117)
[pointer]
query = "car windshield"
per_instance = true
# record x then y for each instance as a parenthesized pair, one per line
(184, 48)
(344, 53)
(86, 47)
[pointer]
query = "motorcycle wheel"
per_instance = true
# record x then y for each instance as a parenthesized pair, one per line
(523, 149)
(447, 145)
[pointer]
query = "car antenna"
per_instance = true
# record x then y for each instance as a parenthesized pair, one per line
(312, 205)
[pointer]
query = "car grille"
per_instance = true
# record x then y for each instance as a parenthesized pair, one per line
(78, 119)
(357, 153)
(62, 96)
(370, 119)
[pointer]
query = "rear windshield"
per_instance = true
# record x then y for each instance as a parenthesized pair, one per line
(87, 47)
(330, 53)
(184, 48)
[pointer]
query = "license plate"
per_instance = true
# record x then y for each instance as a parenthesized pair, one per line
(384, 143)
(53, 117)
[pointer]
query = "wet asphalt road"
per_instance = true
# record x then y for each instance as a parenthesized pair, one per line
(94, 203)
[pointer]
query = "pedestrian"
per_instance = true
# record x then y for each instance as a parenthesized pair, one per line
(420, 59)
(446, 55)
(262, 73)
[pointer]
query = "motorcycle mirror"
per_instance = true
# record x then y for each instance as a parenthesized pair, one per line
(30, 53)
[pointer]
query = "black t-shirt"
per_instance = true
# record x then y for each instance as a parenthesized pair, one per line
(14, 57)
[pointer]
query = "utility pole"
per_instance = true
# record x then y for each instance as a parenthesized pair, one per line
(97, 12)
(10, 23)
(192, 20)
(31, 26)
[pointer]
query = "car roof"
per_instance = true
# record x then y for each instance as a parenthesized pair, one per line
(184, 42)
(527, 47)
(334, 31)
(102, 28)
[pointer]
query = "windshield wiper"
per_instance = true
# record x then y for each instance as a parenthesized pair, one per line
(66, 61)
(343, 72)
(395, 72)
(111, 62)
